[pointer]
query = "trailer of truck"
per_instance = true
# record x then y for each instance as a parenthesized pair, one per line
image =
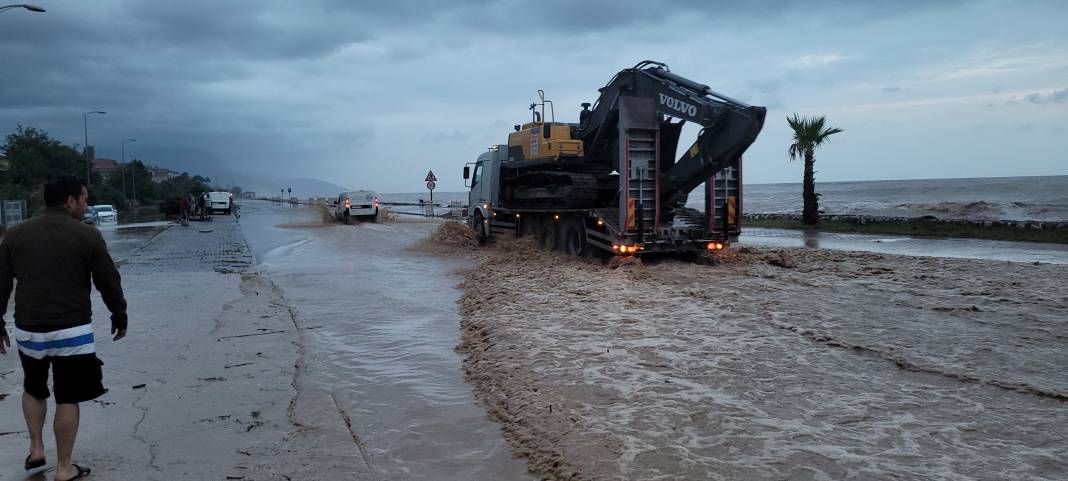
(610, 183)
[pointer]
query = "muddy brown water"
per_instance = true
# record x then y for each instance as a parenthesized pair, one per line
(381, 325)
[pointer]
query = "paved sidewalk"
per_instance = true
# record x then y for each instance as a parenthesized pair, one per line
(205, 386)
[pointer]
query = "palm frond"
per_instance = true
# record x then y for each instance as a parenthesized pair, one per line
(794, 151)
(827, 133)
(816, 126)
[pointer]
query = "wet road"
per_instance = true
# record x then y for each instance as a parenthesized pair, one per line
(911, 246)
(381, 326)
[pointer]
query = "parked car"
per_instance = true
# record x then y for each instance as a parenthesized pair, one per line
(106, 212)
(90, 216)
(361, 204)
(220, 201)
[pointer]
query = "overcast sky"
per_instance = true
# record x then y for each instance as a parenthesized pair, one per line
(373, 94)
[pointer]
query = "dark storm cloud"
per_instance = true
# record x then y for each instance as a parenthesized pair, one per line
(246, 29)
(1055, 97)
(263, 82)
(577, 18)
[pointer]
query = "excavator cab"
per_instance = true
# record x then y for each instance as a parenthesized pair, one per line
(540, 140)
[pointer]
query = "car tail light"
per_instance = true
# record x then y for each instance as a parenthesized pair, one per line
(346, 202)
(376, 201)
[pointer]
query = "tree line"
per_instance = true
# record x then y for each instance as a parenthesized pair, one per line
(33, 158)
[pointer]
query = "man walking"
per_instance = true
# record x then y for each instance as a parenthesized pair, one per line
(183, 206)
(54, 257)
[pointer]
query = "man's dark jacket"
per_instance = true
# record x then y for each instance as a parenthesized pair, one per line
(54, 257)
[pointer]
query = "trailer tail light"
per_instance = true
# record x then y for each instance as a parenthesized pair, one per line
(347, 202)
(626, 249)
(715, 246)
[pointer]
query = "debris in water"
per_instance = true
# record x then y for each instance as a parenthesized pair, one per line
(620, 261)
(781, 260)
(455, 233)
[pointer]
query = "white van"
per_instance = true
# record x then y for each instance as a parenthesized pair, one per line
(360, 204)
(220, 202)
(106, 213)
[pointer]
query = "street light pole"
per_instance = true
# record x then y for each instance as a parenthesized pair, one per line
(124, 169)
(133, 184)
(32, 8)
(85, 128)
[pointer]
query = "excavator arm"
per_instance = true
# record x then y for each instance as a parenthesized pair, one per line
(729, 126)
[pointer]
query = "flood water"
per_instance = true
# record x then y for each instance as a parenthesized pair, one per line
(912, 246)
(381, 325)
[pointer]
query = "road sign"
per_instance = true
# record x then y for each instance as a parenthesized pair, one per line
(430, 184)
(430, 177)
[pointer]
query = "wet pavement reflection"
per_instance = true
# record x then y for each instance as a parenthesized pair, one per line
(381, 325)
(912, 246)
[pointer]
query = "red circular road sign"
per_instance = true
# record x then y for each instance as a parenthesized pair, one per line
(430, 184)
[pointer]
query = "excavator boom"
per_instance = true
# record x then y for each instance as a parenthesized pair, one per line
(640, 112)
(729, 126)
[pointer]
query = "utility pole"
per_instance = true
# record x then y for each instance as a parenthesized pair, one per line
(133, 182)
(85, 130)
(124, 170)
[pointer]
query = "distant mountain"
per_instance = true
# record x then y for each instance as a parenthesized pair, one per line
(190, 160)
(206, 164)
(302, 187)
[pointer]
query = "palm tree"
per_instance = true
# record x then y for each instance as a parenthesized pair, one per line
(809, 133)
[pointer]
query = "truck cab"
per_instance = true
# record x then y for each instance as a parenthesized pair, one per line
(484, 183)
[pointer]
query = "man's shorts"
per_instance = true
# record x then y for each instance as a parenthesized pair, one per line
(75, 378)
(70, 353)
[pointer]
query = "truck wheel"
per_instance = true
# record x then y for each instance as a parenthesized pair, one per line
(480, 229)
(572, 240)
(348, 219)
(545, 232)
(525, 226)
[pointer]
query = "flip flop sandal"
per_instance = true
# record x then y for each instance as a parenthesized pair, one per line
(31, 465)
(82, 472)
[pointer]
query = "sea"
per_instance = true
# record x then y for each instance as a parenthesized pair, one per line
(1037, 198)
